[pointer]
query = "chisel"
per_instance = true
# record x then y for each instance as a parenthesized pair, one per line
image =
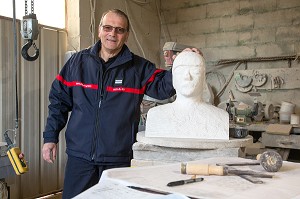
(206, 169)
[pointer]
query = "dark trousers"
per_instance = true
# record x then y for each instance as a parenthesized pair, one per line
(81, 174)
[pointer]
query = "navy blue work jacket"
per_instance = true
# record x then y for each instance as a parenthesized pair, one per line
(104, 105)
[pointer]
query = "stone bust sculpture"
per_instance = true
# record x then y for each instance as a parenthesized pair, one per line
(189, 116)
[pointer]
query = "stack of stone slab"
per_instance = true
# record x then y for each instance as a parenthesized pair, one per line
(157, 150)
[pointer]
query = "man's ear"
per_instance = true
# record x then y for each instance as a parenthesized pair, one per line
(99, 29)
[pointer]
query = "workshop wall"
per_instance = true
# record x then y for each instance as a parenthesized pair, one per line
(240, 29)
(144, 36)
(34, 81)
(222, 29)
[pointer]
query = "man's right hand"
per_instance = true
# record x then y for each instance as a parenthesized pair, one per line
(49, 152)
(196, 50)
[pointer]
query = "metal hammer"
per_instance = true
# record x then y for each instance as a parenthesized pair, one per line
(270, 160)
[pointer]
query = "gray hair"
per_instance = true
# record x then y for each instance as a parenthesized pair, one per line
(119, 13)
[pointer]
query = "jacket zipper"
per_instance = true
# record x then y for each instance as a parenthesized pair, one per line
(101, 92)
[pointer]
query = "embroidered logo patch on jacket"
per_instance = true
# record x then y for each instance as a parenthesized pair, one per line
(118, 82)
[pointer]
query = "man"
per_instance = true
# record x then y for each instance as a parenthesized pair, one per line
(189, 116)
(102, 87)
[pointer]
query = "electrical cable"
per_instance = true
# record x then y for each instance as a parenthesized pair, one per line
(162, 25)
(140, 2)
(259, 59)
(15, 75)
(92, 24)
(15, 65)
(228, 80)
(220, 76)
(133, 31)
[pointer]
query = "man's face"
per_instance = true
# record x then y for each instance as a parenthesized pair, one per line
(188, 80)
(113, 40)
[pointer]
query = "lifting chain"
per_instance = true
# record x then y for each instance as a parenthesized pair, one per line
(26, 12)
(32, 7)
(29, 31)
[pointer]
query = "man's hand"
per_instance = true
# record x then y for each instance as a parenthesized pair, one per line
(21, 155)
(196, 50)
(49, 152)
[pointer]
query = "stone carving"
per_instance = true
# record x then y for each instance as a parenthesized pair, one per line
(189, 116)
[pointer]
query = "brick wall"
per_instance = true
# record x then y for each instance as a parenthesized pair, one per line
(236, 29)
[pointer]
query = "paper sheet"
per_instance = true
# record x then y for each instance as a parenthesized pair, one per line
(115, 189)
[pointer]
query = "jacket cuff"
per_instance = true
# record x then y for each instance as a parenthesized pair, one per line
(50, 137)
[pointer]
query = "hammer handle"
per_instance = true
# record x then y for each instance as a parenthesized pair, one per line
(202, 169)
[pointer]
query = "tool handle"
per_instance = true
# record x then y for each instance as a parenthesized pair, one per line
(201, 169)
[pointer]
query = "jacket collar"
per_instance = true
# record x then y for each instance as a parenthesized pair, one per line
(124, 55)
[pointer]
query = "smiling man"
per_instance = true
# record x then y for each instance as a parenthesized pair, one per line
(113, 33)
(102, 88)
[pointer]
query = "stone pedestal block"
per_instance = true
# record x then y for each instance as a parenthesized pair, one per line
(155, 151)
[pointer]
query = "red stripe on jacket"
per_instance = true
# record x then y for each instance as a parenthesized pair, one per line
(110, 88)
(74, 83)
(133, 90)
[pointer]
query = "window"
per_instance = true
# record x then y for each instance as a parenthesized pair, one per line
(49, 13)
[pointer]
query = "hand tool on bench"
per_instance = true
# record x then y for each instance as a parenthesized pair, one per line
(155, 191)
(206, 169)
(250, 178)
(270, 160)
(182, 182)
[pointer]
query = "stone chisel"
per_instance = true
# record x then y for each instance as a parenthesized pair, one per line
(206, 169)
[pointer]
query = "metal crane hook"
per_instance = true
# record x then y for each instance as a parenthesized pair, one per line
(25, 49)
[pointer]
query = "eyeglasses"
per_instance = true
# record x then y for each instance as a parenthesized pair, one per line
(108, 28)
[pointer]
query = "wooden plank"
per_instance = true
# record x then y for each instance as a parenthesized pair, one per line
(281, 129)
(281, 141)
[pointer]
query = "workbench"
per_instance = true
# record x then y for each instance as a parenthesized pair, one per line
(115, 183)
